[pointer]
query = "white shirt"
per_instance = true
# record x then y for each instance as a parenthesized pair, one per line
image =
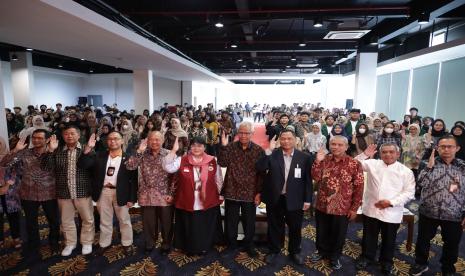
(395, 183)
(112, 162)
(354, 124)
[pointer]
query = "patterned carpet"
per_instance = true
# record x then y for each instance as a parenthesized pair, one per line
(115, 262)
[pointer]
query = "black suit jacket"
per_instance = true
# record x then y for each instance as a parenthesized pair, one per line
(126, 182)
(298, 190)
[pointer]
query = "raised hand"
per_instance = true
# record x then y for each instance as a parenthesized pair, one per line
(272, 143)
(175, 145)
(402, 133)
(371, 150)
(90, 144)
(431, 160)
(142, 146)
(53, 143)
(320, 155)
(21, 144)
(224, 139)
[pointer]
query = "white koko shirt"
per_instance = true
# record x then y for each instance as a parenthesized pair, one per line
(395, 183)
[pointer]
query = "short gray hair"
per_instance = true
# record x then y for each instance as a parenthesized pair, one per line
(389, 145)
(339, 137)
(248, 125)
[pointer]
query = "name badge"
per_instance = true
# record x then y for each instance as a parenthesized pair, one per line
(186, 170)
(297, 172)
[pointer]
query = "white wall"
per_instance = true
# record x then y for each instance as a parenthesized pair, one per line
(51, 88)
(114, 88)
(166, 91)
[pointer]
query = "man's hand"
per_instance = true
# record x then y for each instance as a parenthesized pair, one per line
(142, 146)
(371, 150)
(168, 199)
(90, 144)
(224, 139)
(383, 204)
(272, 143)
(129, 204)
(21, 144)
(320, 155)
(306, 206)
(53, 143)
(257, 199)
(431, 160)
(352, 215)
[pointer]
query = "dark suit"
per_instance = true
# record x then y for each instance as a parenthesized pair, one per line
(126, 183)
(285, 208)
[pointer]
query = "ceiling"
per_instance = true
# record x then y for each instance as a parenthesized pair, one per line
(273, 37)
(264, 35)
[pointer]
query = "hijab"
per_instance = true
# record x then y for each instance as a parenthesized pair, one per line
(460, 141)
(440, 133)
(362, 143)
(178, 132)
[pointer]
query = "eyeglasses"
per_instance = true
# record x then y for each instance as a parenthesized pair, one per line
(446, 147)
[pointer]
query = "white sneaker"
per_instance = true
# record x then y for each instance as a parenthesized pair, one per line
(67, 250)
(86, 249)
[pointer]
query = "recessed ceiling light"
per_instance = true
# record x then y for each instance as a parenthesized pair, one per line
(423, 18)
(244, 66)
(283, 71)
(60, 65)
(317, 23)
(82, 59)
(288, 66)
(29, 49)
(91, 71)
(240, 60)
(14, 57)
(233, 45)
(293, 58)
(219, 25)
(302, 43)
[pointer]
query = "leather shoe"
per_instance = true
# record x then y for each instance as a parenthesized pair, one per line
(148, 250)
(164, 251)
(101, 250)
(269, 259)
(362, 263)
(128, 250)
(251, 252)
(297, 259)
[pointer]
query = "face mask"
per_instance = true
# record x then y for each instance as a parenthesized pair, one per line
(125, 127)
(389, 130)
(362, 130)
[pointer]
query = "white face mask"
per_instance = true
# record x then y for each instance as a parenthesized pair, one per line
(362, 130)
(389, 130)
(125, 127)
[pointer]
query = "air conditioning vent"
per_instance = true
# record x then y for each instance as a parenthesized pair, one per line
(355, 34)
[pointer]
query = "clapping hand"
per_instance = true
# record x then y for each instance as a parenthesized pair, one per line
(371, 150)
(142, 146)
(53, 143)
(431, 160)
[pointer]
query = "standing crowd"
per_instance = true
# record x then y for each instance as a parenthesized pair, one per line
(342, 164)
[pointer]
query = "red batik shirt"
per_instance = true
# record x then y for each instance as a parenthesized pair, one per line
(340, 185)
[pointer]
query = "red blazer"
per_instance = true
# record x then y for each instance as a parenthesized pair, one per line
(185, 187)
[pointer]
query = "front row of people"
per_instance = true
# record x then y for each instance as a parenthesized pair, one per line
(191, 188)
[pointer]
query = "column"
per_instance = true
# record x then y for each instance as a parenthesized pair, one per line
(186, 92)
(22, 79)
(3, 127)
(365, 81)
(143, 90)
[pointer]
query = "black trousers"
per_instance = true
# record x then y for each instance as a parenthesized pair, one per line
(278, 216)
(154, 218)
(371, 229)
(247, 217)
(13, 220)
(451, 233)
(331, 233)
(257, 115)
(31, 211)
